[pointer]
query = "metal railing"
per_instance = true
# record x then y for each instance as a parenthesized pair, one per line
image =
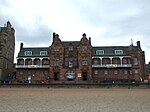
(32, 66)
(110, 65)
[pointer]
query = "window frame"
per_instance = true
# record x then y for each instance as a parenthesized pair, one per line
(100, 52)
(28, 53)
(118, 51)
(43, 53)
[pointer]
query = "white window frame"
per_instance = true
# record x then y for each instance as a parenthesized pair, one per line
(118, 51)
(28, 53)
(99, 52)
(43, 53)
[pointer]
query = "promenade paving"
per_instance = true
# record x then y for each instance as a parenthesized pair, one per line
(74, 100)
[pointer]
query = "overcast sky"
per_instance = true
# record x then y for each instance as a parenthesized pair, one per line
(107, 22)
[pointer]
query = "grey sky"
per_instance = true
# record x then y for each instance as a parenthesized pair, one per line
(107, 22)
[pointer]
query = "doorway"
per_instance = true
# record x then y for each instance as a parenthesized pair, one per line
(84, 76)
(29, 79)
(56, 76)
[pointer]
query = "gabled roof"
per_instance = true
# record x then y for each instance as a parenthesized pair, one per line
(35, 52)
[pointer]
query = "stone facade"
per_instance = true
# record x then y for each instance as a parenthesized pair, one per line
(7, 47)
(79, 61)
(70, 60)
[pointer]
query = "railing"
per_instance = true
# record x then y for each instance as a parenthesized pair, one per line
(32, 66)
(110, 65)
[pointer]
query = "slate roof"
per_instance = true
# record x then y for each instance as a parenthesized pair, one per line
(35, 52)
(110, 50)
(67, 43)
(3, 29)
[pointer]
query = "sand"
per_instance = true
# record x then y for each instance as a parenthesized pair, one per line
(74, 100)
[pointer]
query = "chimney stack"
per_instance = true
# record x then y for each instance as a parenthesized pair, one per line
(90, 40)
(21, 46)
(138, 44)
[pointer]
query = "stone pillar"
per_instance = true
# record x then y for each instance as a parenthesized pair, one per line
(121, 60)
(101, 59)
(111, 60)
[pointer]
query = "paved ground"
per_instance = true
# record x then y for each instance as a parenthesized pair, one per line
(74, 100)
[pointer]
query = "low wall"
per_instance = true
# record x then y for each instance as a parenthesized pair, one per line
(79, 85)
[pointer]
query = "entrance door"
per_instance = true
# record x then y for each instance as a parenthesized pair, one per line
(56, 76)
(29, 78)
(84, 76)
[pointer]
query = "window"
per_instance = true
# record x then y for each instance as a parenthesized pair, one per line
(136, 71)
(45, 61)
(70, 48)
(29, 72)
(56, 49)
(66, 62)
(95, 72)
(124, 61)
(125, 72)
(130, 71)
(106, 61)
(84, 61)
(70, 63)
(135, 61)
(115, 72)
(118, 51)
(84, 48)
(95, 61)
(105, 72)
(21, 72)
(75, 62)
(28, 53)
(56, 62)
(116, 61)
(37, 62)
(99, 52)
(28, 62)
(42, 53)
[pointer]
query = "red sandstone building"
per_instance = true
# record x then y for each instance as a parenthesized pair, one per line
(79, 61)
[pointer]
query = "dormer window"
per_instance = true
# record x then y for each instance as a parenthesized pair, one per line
(43, 53)
(28, 53)
(99, 52)
(118, 51)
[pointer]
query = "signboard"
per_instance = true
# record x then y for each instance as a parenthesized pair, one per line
(79, 74)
